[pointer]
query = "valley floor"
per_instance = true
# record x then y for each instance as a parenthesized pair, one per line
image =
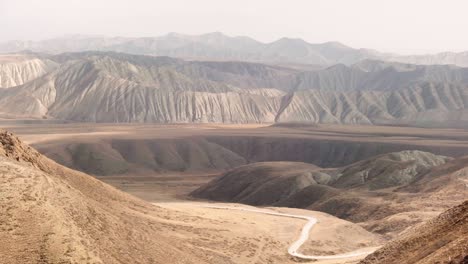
(330, 240)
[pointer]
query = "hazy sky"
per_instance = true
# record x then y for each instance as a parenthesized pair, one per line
(403, 26)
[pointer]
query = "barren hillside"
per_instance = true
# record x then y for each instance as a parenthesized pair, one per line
(269, 183)
(443, 239)
(55, 215)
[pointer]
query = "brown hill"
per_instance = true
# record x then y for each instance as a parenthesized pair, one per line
(54, 215)
(441, 240)
(386, 193)
(267, 183)
(261, 183)
(119, 156)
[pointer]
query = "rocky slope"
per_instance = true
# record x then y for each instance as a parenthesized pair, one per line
(441, 240)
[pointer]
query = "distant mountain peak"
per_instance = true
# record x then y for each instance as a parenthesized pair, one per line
(336, 45)
(214, 34)
(290, 40)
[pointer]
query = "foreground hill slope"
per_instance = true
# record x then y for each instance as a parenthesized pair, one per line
(51, 214)
(441, 240)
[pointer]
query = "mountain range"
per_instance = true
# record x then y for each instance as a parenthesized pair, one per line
(217, 46)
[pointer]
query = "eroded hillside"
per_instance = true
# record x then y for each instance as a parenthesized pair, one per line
(16, 69)
(122, 88)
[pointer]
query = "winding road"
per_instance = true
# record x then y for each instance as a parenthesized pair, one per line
(294, 247)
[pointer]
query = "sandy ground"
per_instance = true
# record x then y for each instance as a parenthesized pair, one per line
(37, 132)
(329, 237)
(159, 187)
